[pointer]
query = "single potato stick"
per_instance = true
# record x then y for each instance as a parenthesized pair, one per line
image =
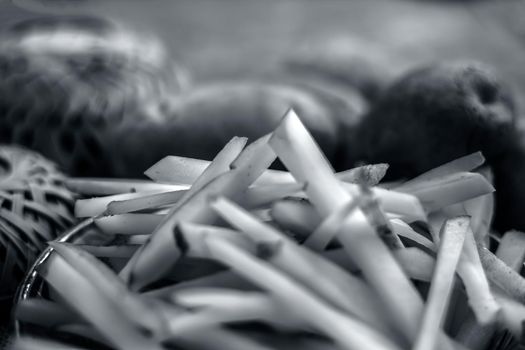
(147, 201)
(466, 163)
(215, 306)
(128, 224)
(108, 187)
(300, 302)
(471, 272)
(301, 155)
(191, 237)
(449, 251)
(369, 175)
(482, 209)
(95, 206)
(404, 205)
(455, 188)
(177, 170)
(510, 281)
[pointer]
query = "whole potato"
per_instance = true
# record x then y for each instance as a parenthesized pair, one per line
(441, 112)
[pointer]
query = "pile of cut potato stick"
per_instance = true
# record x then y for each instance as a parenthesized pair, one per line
(232, 255)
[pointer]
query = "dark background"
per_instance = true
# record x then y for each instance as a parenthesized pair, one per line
(225, 38)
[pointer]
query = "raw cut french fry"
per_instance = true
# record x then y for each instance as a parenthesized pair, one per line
(510, 281)
(108, 187)
(44, 313)
(301, 155)
(400, 204)
(481, 209)
(184, 171)
(321, 277)
(109, 286)
(511, 249)
(416, 263)
(128, 224)
(95, 206)
(191, 237)
(455, 188)
(404, 230)
(158, 255)
(86, 299)
(476, 284)
(222, 279)
(300, 302)
(177, 170)
(466, 163)
(369, 175)
(260, 196)
(449, 251)
(215, 306)
(147, 201)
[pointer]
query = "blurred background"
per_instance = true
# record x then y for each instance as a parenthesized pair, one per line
(214, 39)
